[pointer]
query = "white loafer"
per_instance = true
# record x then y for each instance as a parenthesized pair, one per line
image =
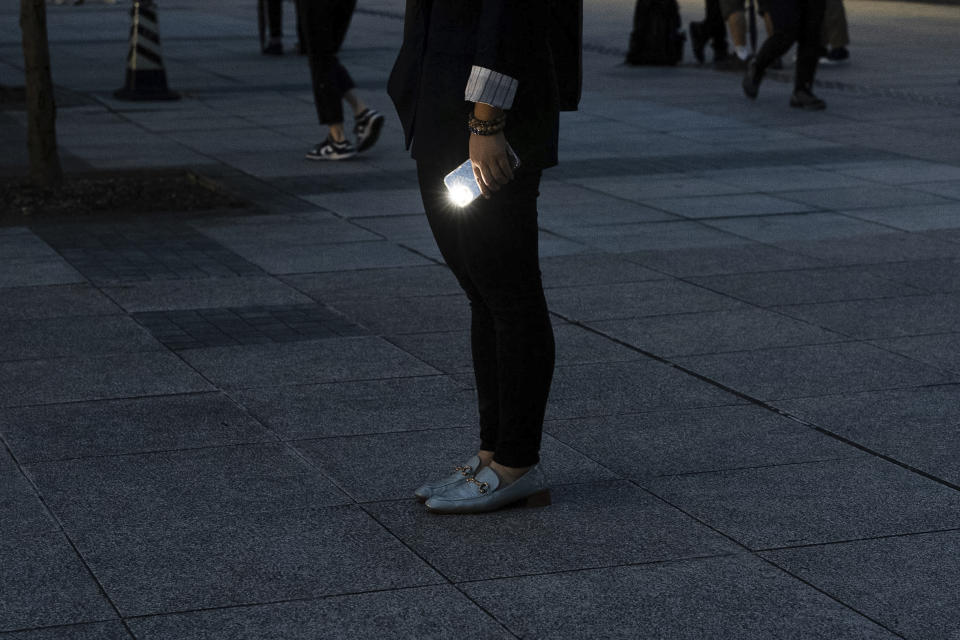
(483, 492)
(461, 473)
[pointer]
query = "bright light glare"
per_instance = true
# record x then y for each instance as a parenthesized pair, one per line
(461, 195)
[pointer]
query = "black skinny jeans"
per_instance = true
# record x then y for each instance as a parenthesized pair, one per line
(491, 247)
(799, 21)
(715, 27)
(325, 24)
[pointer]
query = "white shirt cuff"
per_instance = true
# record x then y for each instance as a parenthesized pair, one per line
(489, 87)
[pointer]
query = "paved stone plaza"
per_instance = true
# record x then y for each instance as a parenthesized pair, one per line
(212, 425)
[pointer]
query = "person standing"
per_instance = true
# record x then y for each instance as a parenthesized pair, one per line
(470, 79)
(711, 29)
(794, 21)
(325, 24)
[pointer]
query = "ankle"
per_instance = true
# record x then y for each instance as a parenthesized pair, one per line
(507, 474)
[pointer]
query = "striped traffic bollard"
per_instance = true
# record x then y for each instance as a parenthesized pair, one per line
(146, 77)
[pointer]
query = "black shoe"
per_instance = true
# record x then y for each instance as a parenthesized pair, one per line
(836, 55)
(804, 99)
(732, 62)
(698, 40)
(331, 150)
(751, 79)
(367, 128)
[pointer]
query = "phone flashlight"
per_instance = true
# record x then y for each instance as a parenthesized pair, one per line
(462, 187)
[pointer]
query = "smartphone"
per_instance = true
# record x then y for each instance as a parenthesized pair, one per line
(461, 184)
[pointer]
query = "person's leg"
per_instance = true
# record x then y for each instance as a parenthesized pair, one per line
(784, 16)
(809, 50)
(275, 19)
(325, 27)
(499, 244)
(834, 33)
(445, 222)
(716, 29)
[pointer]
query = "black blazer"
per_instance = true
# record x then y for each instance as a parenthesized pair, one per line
(442, 40)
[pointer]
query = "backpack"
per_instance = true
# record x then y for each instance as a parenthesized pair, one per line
(657, 37)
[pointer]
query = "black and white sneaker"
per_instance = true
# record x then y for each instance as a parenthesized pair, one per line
(367, 127)
(331, 150)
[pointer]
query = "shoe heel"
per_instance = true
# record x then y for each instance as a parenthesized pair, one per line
(538, 499)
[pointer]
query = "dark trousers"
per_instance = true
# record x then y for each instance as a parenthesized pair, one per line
(491, 247)
(275, 17)
(799, 21)
(325, 24)
(715, 28)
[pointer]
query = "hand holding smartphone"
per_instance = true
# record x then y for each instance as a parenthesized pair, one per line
(462, 185)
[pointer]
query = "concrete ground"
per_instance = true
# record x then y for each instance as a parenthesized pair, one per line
(212, 424)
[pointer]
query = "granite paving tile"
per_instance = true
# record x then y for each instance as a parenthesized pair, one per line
(600, 210)
(796, 227)
(906, 583)
(678, 185)
(875, 248)
(73, 337)
(395, 227)
(588, 525)
(783, 178)
(813, 502)
(592, 268)
(354, 408)
(707, 261)
(330, 360)
(331, 257)
(635, 299)
(57, 380)
(159, 488)
(652, 236)
(450, 352)
(728, 597)
(847, 198)
(812, 370)
(725, 206)
(19, 244)
(91, 631)
(809, 285)
(161, 295)
(933, 276)
(249, 559)
(376, 283)
(139, 425)
(21, 512)
(887, 318)
(37, 272)
(901, 171)
(913, 218)
(420, 314)
(373, 203)
(427, 455)
(941, 350)
(628, 387)
(662, 443)
(714, 332)
(55, 301)
(45, 584)
(947, 189)
(915, 426)
(428, 613)
(280, 231)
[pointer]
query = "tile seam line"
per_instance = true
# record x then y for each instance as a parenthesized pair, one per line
(62, 531)
(775, 410)
(857, 540)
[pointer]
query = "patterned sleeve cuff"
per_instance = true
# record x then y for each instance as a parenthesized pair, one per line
(489, 87)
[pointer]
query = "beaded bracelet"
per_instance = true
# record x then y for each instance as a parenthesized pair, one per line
(486, 127)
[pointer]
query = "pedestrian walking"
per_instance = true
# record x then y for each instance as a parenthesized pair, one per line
(794, 21)
(836, 36)
(325, 24)
(474, 80)
(270, 21)
(712, 30)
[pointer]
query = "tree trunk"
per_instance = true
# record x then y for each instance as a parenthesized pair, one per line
(41, 110)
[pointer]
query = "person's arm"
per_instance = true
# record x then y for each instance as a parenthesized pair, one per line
(502, 35)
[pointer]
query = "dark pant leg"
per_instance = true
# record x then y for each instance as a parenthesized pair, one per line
(491, 246)
(716, 28)
(785, 15)
(275, 17)
(809, 42)
(325, 24)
